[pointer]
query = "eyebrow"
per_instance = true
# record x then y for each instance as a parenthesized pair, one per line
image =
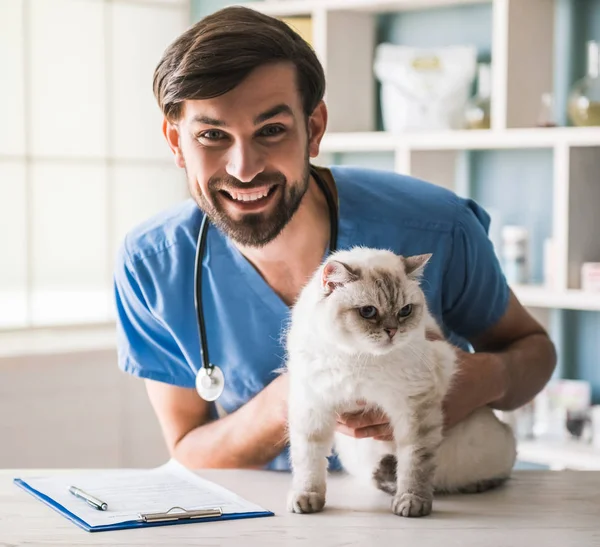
(207, 120)
(271, 113)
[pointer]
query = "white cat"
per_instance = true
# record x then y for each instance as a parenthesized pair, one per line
(358, 332)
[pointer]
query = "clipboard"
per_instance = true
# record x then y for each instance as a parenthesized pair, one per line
(143, 519)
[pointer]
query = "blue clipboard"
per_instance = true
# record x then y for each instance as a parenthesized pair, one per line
(153, 519)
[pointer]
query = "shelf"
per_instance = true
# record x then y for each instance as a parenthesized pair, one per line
(542, 297)
(381, 141)
(560, 454)
(303, 7)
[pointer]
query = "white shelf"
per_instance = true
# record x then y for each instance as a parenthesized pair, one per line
(283, 8)
(560, 454)
(381, 141)
(542, 297)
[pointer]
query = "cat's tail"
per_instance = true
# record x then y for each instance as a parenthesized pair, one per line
(385, 478)
(385, 474)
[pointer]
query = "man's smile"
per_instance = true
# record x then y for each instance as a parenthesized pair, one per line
(250, 200)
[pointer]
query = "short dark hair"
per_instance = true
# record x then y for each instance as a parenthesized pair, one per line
(213, 56)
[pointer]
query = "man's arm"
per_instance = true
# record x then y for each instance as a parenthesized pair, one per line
(514, 360)
(250, 437)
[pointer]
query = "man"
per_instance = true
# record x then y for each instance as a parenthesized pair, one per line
(242, 97)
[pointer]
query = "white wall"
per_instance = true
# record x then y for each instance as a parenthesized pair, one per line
(75, 410)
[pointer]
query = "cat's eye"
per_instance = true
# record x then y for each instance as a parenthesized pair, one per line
(368, 312)
(405, 311)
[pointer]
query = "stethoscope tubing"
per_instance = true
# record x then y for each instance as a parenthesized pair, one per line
(201, 248)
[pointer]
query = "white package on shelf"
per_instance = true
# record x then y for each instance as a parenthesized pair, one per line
(424, 89)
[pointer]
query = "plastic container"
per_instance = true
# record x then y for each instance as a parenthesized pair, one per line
(590, 276)
(515, 254)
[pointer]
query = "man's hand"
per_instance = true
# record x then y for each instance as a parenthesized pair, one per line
(367, 423)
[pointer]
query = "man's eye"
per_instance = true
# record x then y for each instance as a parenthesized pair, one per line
(212, 135)
(271, 131)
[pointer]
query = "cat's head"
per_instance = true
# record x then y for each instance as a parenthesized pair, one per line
(370, 300)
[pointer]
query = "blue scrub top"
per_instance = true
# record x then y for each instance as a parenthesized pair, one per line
(154, 282)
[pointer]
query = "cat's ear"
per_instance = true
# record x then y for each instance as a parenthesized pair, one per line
(335, 274)
(414, 265)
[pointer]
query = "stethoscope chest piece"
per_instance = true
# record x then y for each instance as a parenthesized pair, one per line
(210, 383)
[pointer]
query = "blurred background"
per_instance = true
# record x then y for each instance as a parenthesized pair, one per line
(498, 100)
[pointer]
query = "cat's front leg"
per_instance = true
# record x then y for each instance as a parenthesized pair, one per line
(311, 433)
(417, 443)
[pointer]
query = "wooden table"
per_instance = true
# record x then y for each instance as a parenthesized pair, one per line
(537, 508)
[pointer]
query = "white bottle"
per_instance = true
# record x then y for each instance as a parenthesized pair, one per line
(515, 254)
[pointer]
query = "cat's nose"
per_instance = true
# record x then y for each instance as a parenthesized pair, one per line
(391, 332)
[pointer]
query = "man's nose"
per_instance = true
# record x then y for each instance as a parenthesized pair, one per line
(245, 162)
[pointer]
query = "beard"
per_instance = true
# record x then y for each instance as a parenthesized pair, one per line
(254, 229)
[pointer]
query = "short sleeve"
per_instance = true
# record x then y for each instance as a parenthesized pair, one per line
(145, 346)
(475, 294)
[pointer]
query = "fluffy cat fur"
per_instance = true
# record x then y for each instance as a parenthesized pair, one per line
(336, 357)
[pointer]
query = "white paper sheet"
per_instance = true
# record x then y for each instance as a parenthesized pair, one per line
(131, 492)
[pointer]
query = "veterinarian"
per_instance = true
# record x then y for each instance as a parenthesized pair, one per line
(242, 97)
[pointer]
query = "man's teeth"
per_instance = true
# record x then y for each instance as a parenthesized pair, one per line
(239, 196)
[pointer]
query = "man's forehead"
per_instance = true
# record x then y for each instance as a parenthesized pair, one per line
(270, 88)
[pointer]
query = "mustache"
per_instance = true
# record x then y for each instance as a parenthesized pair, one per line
(222, 183)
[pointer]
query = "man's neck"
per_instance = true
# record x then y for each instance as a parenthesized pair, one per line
(287, 262)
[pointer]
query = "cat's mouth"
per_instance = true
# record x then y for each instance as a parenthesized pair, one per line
(250, 199)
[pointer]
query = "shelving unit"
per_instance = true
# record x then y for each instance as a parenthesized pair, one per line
(571, 299)
(522, 50)
(558, 455)
(303, 7)
(381, 141)
(526, 48)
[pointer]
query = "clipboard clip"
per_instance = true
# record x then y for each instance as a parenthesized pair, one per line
(179, 513)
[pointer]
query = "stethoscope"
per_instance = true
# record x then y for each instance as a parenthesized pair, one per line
(210, 381)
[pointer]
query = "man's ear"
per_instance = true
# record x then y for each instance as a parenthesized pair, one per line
(171, 133)
(336, 274)
(317, 123)
(414, 265)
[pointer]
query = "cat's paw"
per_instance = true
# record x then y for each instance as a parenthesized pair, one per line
(305, 502)
(411, 505)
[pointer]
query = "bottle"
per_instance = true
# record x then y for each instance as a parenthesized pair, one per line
(515, 254)
(546, 114)
(477, 112)
(584, 99)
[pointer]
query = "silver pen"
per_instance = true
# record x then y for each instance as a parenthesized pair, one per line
(88, 498)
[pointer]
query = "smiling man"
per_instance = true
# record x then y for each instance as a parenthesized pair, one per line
(242, 97)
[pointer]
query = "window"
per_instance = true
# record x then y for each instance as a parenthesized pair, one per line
(82, 156)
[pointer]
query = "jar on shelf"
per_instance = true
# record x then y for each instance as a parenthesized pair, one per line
(477, 112)
(584, 98)
(515, 254)
(546, 113)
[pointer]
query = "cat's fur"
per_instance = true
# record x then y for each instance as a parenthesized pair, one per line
(337, 357)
